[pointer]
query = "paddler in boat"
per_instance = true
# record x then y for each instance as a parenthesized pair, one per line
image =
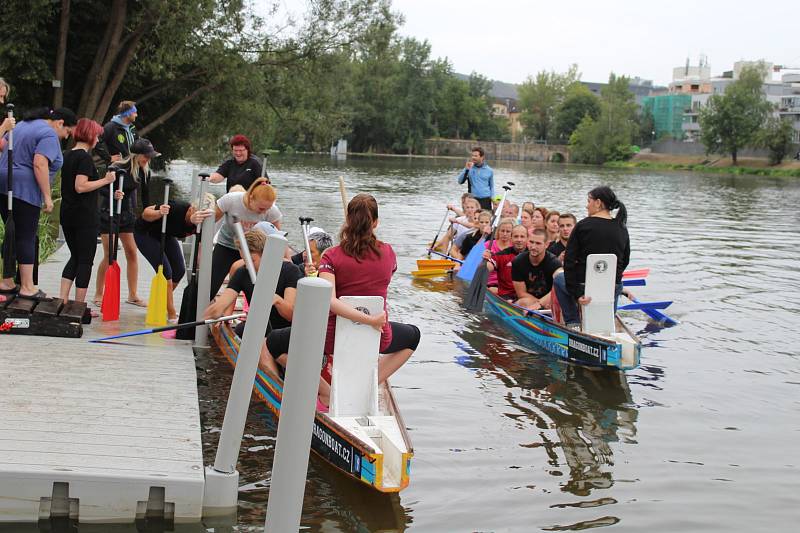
(360, 265)
(532, 273)
(483, 222)
(566, 223)
(461, 224)
(599, 233)
(500, 263)
(285, 291)
(501, 241)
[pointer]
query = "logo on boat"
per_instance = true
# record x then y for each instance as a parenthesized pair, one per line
(600, 266)
(595, 351)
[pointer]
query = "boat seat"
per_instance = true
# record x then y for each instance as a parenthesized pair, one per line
(354, 377)
(597, 317)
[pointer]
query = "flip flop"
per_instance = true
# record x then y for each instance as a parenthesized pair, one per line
(137, 302)
(14, 290)
(39, 296)
(98, 302)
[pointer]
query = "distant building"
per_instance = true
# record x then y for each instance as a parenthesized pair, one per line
(668, 111)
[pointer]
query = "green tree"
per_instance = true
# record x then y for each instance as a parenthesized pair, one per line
(539, 98)
(578, 103)
(608, 138)
(732, 121)
(647, 127)
(776, 136)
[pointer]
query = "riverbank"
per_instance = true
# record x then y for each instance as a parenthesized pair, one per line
(711, 163)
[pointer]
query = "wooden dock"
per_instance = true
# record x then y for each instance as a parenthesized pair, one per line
(99, 432)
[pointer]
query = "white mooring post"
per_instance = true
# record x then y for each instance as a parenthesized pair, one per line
(204, 280)
(222, 480)
(290, 464)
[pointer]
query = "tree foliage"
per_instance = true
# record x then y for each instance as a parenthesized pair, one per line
(609, 138)
(732, 121)
(776, 136)
(539, 98)
(578, 103)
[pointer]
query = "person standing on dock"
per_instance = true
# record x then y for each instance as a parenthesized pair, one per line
(119, 133)
(599, 233)
(241, 169)
(479, 177)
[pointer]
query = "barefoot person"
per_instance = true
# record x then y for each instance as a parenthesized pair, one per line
(599, 233)
(360, 265)
(78, 216)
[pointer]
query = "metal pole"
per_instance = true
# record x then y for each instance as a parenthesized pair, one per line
(204, 280)
(244, 251)
(222, 480)
(290, 464)
(201, 180)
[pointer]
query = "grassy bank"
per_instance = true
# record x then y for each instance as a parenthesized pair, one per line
(718, 165)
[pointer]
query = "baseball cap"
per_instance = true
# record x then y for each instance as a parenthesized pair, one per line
(268, 228)
(144, 147)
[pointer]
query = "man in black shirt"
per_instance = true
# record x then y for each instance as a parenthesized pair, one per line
(566, 222)
(285, 292)
(241, 169)
(532, 273)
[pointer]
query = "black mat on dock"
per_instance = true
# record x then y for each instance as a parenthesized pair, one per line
(52, 318)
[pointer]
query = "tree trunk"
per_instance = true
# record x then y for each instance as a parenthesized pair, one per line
(63, 29)
(733, 155)
(104, 59)
(175, 108)
(128, 49)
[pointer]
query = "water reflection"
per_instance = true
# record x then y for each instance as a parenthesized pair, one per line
(576, 410)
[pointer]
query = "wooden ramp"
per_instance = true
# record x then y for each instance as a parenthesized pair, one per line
(99, 432)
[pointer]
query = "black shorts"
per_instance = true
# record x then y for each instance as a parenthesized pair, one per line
(126, 220)
(403, 336)
(486, 203)
(239, 329)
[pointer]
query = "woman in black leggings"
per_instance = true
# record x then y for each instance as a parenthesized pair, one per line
(79, 217)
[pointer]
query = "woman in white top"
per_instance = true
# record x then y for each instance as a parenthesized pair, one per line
(251, 207)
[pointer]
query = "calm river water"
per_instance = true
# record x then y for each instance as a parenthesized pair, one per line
(702, 437)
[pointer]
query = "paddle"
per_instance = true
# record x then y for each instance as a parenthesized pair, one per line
(9, 244)
(436, 238)
(111, 292)
(642, 306)
(157, 306)
(344, 195)
(655, 314)
(638, 273)
(244, 251)
(171, 327)
(431, 272)
(440, 254)
(641, 282)
(473, 300)
(304, 224)
(264, 167)
(189, 299)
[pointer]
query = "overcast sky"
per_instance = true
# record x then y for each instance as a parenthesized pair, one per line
(508, 40)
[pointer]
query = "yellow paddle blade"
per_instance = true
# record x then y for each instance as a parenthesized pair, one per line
(157, 306)
(430, 272)
(423, 264)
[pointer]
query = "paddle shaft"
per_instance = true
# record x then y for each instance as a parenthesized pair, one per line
(9, 185)
(436, 238)
(304, 222)
(111, 234)
(164, 225)
(244, 250)
(344, 195)
(451, 258)
(168, 328)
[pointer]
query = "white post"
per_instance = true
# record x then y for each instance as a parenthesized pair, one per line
(222, 480)
(290, 464)
(204, 280)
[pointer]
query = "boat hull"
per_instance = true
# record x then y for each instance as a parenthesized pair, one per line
(343, 450)
(541, 333)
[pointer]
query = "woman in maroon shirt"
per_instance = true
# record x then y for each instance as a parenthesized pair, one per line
(360, 265)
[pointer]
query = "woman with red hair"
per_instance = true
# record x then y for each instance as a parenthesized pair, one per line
(241, 169)
(79, 214)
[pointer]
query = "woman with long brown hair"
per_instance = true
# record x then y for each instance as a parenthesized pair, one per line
(361, 265)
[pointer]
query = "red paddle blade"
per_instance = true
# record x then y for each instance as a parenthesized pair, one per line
(110, 306)
(638, 273)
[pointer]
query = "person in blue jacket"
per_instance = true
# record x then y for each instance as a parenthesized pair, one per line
(479, 177)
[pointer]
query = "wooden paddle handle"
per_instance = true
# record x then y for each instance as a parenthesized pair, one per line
(344, 195)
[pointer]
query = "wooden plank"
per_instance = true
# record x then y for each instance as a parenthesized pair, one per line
(73, 310)
(50, 308)
(23, 305)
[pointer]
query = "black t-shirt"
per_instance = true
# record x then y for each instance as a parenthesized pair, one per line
(538, 278)
(469, 242)
(236, 174)
(556, 247)
(78, 209)
(176, 222)
(288, 278)
(594, 235)
(297, 259)
(129, 186)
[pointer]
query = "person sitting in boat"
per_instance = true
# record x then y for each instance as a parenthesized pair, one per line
(500, 263)
(501, 241)
(285, 291)
(482, 230)
(532, 273)
(360, 265)
(250, 207)
(551, 227)
(538, 217)
(566, 221)
(318, 241)
(267, 228)
(599, 233)
(526, 218)
(460, 225)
